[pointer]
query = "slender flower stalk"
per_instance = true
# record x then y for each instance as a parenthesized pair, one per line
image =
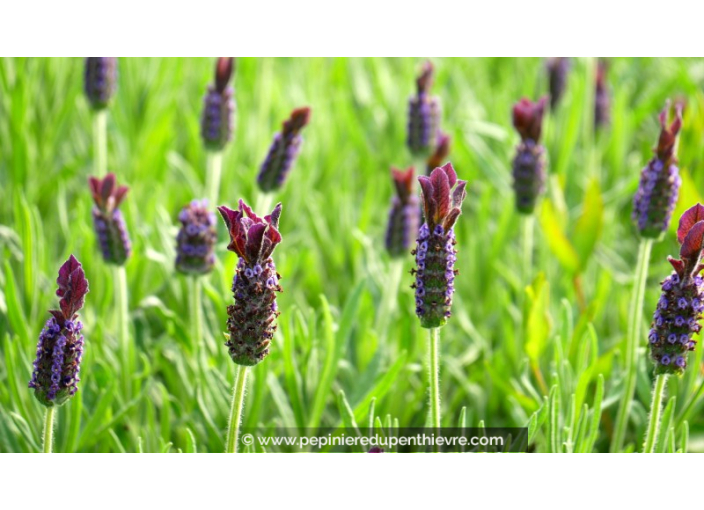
(99, 85)
(283, 151)
(652, 210)
(252, 319)
(558, 69)
(435, 256)
(678, 314)
(57, 365)
(424, 114)
(602, 100)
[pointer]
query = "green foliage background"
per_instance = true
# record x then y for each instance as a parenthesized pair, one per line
(331, 338)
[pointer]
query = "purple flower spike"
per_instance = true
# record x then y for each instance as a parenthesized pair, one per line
(439, 156)
(60, 347)
(252, 319)
(558, 68)
(435, 254)
(108, 220)
(283, 151)
(602, 101)
(217, 121)
(196, 239)
(404, 216)
(529, 163)
(679, 311)
(100, 80)
(424, 112)
(660, 182)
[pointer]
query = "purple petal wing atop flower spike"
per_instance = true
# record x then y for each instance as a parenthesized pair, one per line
(255, 238)
(428, 196)
(106, 187)
(442, 150)
(668, 135)
(451, 174)
(425, 79)
(692, 245)
(441, 192)
(273, 218)
(528, 118)
(691, 217)
(459, 194)
(403, 181)
(300, 117)
(73, 287)
(119, 194)
(223, 72)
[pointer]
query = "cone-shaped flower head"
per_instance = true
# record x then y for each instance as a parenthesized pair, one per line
(60, 347)
(435, 249)
(100, 80)
(680, 307)
(196, 239)
(660, 182)
(283, 151)
(217, 122)
(252, 319)
(424, 112)
(404, 216)
(108, 221)
(558, 69)
(529, 163)
(439, 155)
(602, 101)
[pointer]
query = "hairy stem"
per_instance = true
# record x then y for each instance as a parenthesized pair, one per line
(48, 435)
(233, 430)
(100, 142)
(264, 203)
(635, 321)
(527, 232)
(651, 436)
(212, 177)
(195, 306)
(123, 333)
(434, 376)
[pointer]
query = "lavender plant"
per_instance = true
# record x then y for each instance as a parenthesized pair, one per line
(529, 174)
(424, 113)
(60, 348)
(440, 154)
(283, 151)
(602, 101)
(653, 204)
(196, 238)
(217, 122)
(108, 221)
(252, 319)
(678, 314)
(558, 69)
(99, 85)
(435, 271)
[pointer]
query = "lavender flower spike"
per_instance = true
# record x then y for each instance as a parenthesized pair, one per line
(108, 221)
(252, 319)
(424, 112)
(529, 163)
(283, 151)
(404, 216)
(660, 182)
(679, 310)
(435, 249)
(60, 347)
(100, 80)
(219, 107)
(196, 239)
(557, 67)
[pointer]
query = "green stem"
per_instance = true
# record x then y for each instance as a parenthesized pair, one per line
(100, 142)
(651, 436)
(264, 203)
(389, 297)
(48, 436)
(635, 320)
(212, 177)
(123, 334)
(196, 307)
(527, 229)
(233, 430)
(434, 376)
